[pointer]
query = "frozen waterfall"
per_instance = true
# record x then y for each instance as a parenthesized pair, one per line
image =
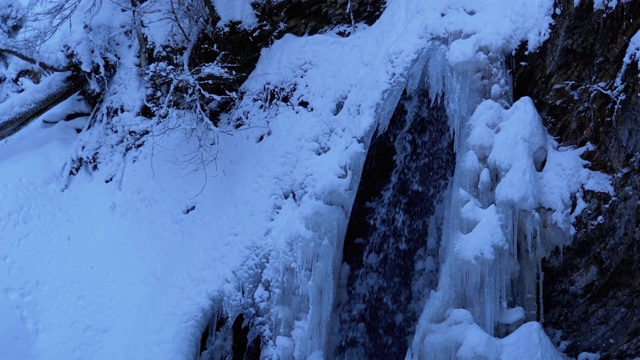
(390, 250)
(440, 255)
(511, 201)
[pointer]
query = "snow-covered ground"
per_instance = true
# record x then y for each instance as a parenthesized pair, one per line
(123, 269)
(128, 268)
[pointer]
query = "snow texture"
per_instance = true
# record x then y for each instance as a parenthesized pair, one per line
(236, 10)
(117, 270)
(458, 337)
(604, 4)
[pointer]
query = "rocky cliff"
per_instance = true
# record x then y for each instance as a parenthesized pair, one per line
(586, 95)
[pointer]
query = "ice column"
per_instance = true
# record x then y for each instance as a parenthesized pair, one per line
(501, 220)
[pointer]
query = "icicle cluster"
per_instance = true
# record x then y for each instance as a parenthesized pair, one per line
(510, 204)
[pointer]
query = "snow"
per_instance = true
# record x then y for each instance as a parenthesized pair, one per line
(28, 99)
(458, 337)
(75, 105)
(480, 242)
(130, 261)
(117, 270)
(604, 4)
(633, 50)
(588, 356)
(236, 10)
(511, 316)
(631, 55)
(12, 15)
(14, 335)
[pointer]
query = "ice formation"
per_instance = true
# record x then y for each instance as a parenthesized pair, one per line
(510, 204)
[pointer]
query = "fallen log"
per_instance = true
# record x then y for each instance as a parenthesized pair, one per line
(20, 110)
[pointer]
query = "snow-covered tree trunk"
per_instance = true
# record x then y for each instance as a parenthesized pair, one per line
(19, 111)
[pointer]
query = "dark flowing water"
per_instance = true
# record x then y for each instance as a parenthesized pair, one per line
(392, 242)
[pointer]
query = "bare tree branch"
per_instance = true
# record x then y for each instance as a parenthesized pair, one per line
(33, 61)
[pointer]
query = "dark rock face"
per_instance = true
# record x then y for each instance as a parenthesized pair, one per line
(391, 245)
(302, 17)
(592, 290)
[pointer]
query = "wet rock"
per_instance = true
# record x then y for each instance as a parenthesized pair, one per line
(301, 17)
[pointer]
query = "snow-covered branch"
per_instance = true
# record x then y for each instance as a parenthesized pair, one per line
(20, 110)
(34, 61)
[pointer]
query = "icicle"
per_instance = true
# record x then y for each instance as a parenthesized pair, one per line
(509, 205)
(491, 218)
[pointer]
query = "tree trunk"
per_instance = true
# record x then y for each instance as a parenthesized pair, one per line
(20, 110)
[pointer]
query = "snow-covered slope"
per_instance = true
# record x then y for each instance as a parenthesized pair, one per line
(125, 269)
(130, 261)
